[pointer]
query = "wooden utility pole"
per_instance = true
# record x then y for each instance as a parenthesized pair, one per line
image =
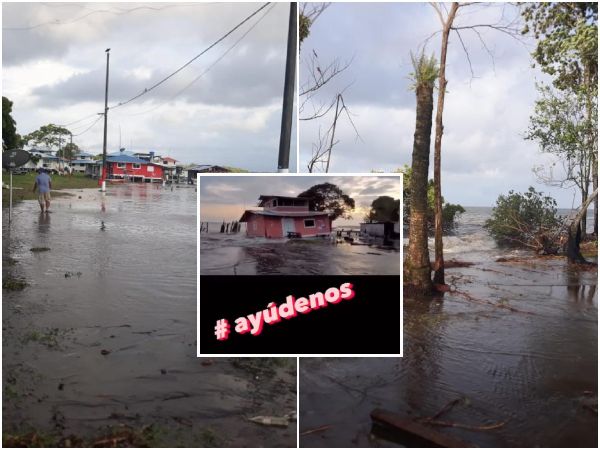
(103, 176)
(288, 92)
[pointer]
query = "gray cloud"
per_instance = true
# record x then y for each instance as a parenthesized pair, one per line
(485, 116)
(54, 73)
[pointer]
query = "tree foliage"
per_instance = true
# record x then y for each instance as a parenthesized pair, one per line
(567, 40)
(69, 150)
(329, 197)
(450, 211)
(562, 126)
(50, 136)
(527, 220)
(384, 209)
(10, 138)
(425, 71)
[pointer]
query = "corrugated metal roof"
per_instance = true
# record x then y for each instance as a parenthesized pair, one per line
(283, 214)
(126, 159)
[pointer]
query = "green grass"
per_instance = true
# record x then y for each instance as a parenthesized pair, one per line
(25, 182)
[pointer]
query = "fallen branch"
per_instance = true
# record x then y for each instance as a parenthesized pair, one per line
(316, 430)
(439, 423)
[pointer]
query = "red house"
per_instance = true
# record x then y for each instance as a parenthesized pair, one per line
(285, 217)
(134, 169)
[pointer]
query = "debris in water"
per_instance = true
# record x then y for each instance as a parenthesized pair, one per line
(270, 421)
(316, 430)
(39, 249)
(104, 351)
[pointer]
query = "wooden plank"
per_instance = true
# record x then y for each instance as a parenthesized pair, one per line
(409, 433)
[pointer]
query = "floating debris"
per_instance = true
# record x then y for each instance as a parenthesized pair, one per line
(271, 421)
(39, 249)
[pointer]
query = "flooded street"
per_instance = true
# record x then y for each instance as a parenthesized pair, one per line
(236, 254)
(516, 341)
(104, 333)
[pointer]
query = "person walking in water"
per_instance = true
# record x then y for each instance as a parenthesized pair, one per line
(43, 184)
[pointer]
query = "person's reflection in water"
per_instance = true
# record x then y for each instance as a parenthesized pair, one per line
(44, 222)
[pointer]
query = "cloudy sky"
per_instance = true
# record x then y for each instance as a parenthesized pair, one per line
(226, 198)
(485, 117)
(54, 66)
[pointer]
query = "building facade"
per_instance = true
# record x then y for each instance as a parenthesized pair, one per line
(285, 217)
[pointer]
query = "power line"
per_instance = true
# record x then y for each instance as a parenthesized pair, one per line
(77, 121)
(90, 127)
(120, 12)
(210, 66)
(145, 91)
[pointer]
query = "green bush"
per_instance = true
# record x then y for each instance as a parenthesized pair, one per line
(450, 211)
(526, 220)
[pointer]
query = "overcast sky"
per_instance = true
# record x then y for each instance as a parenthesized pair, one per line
(54, 66)
(226, 198)
(483, 152)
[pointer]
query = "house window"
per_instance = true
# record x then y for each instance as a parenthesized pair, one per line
(274, 203)
(309, 223)
(136, 166)
(150, 168)
(120, 165)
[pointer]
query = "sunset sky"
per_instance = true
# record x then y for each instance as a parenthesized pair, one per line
(227, 197)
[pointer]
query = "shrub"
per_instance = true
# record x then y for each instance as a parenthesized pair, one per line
(527, 220)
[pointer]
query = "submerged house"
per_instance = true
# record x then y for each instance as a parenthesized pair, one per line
(285, 217)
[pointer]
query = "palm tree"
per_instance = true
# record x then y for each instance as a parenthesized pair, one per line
(417, 266)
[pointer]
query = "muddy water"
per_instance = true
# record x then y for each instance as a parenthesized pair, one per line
(521, 347)
(236, 254)
(104, 333)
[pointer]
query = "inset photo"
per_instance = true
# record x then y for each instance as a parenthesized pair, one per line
(273, 238)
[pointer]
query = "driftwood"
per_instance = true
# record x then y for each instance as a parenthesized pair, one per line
(411, 433)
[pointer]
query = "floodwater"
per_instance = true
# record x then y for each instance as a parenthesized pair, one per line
(521, 348)
(105, 332)
(237, 254)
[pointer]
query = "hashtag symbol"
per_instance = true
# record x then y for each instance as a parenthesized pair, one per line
(222, 330)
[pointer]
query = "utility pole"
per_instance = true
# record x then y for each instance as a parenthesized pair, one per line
(71, 155)
(103, 177)
(288, 92)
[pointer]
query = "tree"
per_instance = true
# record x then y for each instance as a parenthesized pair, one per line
(51, 136)
(527, 220)
(10, 138)
(574, 237)
(417, 267)
(384, 209)
(447, 23)
(562, 127)
(567, 49)
(329, 197)
(317, 76)
(438, 265)
(69, 151)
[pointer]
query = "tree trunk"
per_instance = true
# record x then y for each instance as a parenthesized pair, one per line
(595, 188)
(572, 250)
(438, 266)
(583, 222)
(417, 266)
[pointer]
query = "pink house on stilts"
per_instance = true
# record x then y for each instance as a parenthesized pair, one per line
(285, 217)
